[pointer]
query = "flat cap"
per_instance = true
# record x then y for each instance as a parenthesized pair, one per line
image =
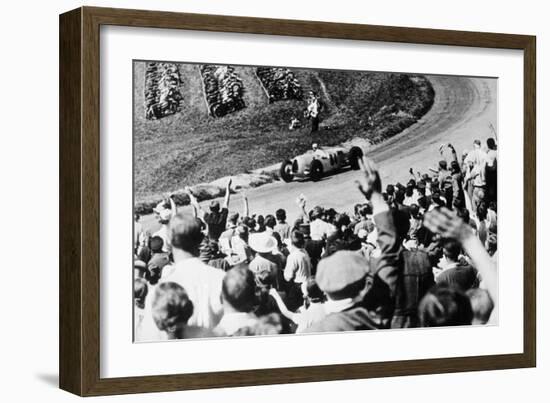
(338, 274)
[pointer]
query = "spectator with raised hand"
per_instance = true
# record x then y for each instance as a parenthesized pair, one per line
(164, 214)
(197, 209)
(380, 298)
(448, 225)
(216, 218)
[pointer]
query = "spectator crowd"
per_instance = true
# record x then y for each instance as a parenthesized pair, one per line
(280, 83)
(418, 254)
(162, 95)
(223, 89)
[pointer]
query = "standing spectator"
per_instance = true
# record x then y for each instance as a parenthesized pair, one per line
(238, 299)
(477, 159)
(456, 272)
(342, 276)
(225, 237)
(216, 219)
(282, 226)
(444, 306)
(313, 110)
(241, 251)
(491, 170)
(365, 219)
(201, 282)
(171, 311)
(263, 244)
(157, 262)
(297, 270)
(384, 270)
(164, 214)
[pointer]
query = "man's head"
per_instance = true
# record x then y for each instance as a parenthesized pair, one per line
(316, 213)
(239, 289)
(314, 147)
(482, 305)
(477, 144)
(270, 221)
(242, 232)
(232, 219)
(491, 144)
(455, 167)
(156, 244)
(401, 221)
(171, 308)
(215, 206)
(365, 210)
(297, 239)
(281, 215)
(140, 292)
(163, 212)
(186, 233)
(250, 223)
(481, 211)
(442, 165)
(451, 249)
(399, 196)
(313, 292)
(342, 275)
(444, 306)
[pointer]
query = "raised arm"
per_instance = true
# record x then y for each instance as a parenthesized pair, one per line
(173, 207)
(282, 306)
(448, 225)
(381, 296)
(302, 205)
(246, 210)
(197, 209)
(227, 193)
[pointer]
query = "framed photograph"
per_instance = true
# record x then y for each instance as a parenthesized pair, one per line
(248, 201)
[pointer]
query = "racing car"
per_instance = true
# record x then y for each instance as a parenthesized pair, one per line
(317, 162)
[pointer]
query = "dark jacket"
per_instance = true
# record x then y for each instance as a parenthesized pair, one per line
(355, 318)
(384, 272)
(414, 282)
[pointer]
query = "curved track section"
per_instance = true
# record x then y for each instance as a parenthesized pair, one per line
(463, 110)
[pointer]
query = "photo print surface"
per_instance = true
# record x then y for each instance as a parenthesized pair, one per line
(275, 200)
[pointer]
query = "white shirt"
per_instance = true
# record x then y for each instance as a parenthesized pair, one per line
(232, 322)
(163, 232)
(298, 266)
(319, 229)
(203, 285)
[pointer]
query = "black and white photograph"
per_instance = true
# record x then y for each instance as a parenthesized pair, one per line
(272, 200)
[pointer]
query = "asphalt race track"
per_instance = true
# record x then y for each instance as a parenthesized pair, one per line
(463, 110)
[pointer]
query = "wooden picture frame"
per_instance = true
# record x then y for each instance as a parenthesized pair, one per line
(79, 346)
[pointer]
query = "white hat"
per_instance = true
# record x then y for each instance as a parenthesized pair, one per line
(262, 242)
(165, 214)
(159, 207)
